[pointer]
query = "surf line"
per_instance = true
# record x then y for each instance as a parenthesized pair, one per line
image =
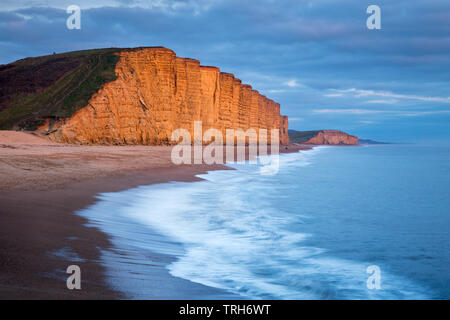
(213, 140)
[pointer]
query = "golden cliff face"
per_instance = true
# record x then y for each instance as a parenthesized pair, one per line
(156, 93)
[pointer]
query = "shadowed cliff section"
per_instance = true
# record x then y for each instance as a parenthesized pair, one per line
(322, 137)
(129, 96)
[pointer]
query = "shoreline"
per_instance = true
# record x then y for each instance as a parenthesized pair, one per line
(42, 234)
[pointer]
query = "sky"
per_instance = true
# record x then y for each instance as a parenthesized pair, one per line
(316, 58)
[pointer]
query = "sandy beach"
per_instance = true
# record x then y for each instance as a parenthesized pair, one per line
(42, 184)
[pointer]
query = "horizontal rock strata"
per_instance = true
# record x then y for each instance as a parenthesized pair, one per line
(157, 92)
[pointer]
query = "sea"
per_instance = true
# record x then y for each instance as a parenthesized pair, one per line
(361, 222)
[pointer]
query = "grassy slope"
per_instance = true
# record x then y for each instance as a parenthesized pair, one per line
(301, 136)
(35, 88)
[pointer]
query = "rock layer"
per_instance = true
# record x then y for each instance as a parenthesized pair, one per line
(157, 92)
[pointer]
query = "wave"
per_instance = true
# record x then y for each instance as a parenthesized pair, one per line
(237, 233)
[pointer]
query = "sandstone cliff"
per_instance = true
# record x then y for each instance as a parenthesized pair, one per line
(323, 137)
(156, 92)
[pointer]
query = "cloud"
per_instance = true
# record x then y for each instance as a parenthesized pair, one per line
(349, 111)
(291, 83)
(196, 6)
(396, 113)
(381, 101)
(276, 91)
(386, 94)
(268, 44)
(332, 95)
(424, 113)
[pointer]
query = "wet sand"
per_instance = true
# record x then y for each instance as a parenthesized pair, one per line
(42, 184)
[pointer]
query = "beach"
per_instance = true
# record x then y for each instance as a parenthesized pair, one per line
(140, 227)
(43, 184)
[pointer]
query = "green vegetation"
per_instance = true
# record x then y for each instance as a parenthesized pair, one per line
(53, 86)
(301, 136)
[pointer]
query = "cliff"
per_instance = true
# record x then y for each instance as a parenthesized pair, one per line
(323, 137)
(150, 93)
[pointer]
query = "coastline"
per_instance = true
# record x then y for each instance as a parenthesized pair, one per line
(44, 184)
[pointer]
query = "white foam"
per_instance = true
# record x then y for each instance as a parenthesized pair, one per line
(236, 237)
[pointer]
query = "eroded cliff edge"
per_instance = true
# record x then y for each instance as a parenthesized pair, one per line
(323, 137)
(156, 92)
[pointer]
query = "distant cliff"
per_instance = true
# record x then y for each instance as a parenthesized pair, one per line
(128, 96)
(369, 141)
(322, 137)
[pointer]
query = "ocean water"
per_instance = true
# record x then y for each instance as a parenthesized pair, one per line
(308, 232)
